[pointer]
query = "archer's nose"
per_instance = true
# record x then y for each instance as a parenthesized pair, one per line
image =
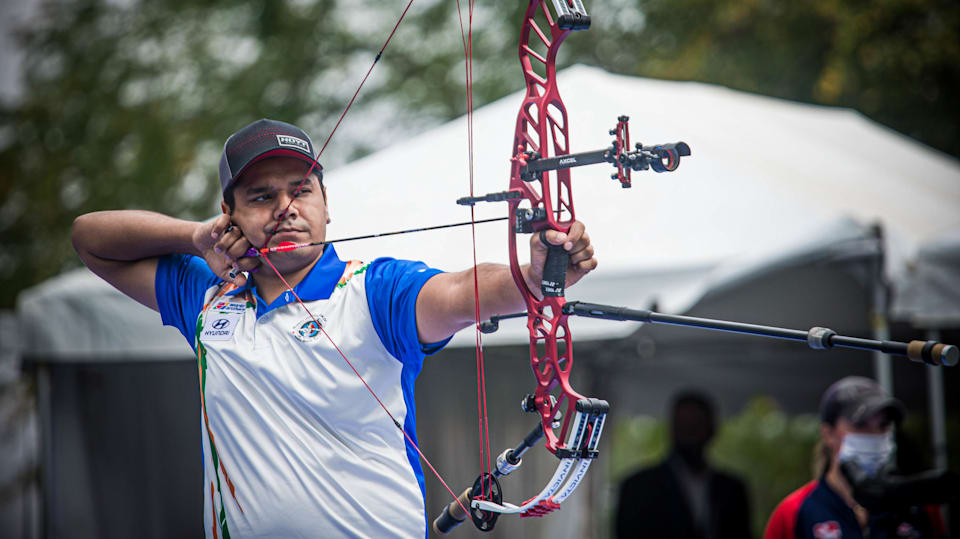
(286, 208)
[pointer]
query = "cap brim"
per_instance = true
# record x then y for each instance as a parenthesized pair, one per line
(876, 404)
(279, 152)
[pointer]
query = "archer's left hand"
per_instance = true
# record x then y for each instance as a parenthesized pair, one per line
(577, 244)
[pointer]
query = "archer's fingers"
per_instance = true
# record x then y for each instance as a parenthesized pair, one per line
(575, 234)
(586, 266)
(581, 243)
(568, 239)
(220, 224)
(553, 237)
(228, 238)
(239, 248)
(583, 254)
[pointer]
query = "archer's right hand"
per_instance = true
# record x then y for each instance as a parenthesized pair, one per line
(223, 245)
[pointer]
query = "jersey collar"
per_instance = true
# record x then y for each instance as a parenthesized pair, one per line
(318, 284)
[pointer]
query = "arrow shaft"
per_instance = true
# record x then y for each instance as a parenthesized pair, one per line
(292, 246)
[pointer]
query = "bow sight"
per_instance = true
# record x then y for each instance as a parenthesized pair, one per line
(659, 157)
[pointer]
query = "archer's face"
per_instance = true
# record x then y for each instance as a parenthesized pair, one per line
(265, 190)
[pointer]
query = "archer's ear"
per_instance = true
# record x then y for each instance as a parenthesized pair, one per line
(326, 201)
(223, 207)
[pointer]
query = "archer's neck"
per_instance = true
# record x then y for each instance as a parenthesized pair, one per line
(270, 286)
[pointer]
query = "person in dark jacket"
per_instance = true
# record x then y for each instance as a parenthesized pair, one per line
(683, 497)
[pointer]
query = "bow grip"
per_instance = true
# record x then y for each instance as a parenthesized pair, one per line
(555, 269)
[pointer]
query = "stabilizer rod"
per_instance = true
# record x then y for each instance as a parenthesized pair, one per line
(818, 338)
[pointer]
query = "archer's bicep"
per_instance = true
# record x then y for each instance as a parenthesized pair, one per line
(444, 306)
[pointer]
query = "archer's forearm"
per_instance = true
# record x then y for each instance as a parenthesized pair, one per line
(446, 303)
(498, 291)
(130, 235)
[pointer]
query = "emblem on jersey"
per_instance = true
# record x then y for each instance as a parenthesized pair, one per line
(227, 307)
(827, 530)
(219, 326)
(307, 329)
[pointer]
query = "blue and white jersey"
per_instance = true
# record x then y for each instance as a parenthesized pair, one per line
(294, 445)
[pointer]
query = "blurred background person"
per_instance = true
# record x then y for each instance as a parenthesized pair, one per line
(683, 497)
(856, 447)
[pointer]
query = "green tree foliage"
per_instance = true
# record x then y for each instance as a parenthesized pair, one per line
(126, 103)
(897, 61)
(769, 450)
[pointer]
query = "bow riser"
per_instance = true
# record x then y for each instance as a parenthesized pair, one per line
(542, 130)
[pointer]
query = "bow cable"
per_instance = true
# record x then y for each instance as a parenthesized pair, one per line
(483, 425)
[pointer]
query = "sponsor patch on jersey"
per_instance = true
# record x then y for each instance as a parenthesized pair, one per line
(228, 307)
(293, 142)
(219, 326)
(307, 329)
(827, 530)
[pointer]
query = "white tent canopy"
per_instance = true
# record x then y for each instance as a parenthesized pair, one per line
(929, 294)
(767, 179)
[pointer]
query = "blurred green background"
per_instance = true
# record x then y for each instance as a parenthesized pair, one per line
(771, 452)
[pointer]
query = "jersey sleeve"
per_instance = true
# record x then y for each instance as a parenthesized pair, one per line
(783, 521)
(181, 282)
(392, 288)
(781, 524)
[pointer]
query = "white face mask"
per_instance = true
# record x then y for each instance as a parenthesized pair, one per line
(869, 452)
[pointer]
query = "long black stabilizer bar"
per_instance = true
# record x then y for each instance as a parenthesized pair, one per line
(818, 338)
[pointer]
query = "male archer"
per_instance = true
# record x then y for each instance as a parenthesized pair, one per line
(294, 444)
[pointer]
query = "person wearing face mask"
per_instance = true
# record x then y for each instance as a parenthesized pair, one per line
(683, 497)
(856, 440)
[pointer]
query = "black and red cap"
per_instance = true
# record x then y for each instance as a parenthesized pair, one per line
(857, 399)
(260, 140)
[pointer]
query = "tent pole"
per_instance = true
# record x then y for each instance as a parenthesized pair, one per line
(882, 366)
(45, 418)
(938, 418)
